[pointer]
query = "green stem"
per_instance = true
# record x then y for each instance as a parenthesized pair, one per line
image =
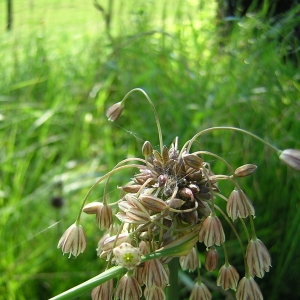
(172, 289)
(153, 109)
(234, 129)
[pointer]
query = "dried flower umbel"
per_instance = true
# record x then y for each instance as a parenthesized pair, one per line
(164, 210)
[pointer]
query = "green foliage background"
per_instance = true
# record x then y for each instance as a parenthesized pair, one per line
(61, 67)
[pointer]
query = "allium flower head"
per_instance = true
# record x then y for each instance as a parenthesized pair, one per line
(248, 290)
(200, 292)
(127, 256)
(258, 258)
(73, 240)
(228, 277)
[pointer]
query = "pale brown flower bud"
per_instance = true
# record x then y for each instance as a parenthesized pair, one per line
(228, 277)
(156, 274)
(134, 188)
(73, 240)
(211, 232)
(192, 161)
(115, 241)
(248, 290)
(258, 258)
(127, 256)
(91, 208)
(211, 259)
(245, 170)
(200, 291)
(147, 149)
(114, 111)
(104, 216)
(190, 261)
(154, 293)
(103, 291)
(239, 206)
(291, 157)
(128, 288)
(153, 203)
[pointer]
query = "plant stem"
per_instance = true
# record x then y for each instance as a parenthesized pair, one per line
(172, 290)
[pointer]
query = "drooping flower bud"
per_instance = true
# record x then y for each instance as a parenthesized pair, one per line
(228, 277)
(73, 240)
(245, 170)
(291, 157)
(115, 111)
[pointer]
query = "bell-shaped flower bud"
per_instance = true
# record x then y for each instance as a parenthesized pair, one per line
(258, 258)
(200, 291)
(115, 111)
(291, 157)
(211, 259)
(103, 291)
(128, 288)
(211, 232)
(228, 277)
(73, 240)
(245, 170)
(248, 290)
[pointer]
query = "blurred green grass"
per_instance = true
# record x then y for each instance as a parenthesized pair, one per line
(60, 71)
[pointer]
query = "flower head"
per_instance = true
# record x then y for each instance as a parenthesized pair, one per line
(248, 290)
(258, 258)
(73, 240)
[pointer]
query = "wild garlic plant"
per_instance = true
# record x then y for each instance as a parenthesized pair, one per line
(169, 206)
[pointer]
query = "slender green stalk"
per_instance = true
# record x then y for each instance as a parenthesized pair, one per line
(154, 111)
(172, 289)
(233, 129)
